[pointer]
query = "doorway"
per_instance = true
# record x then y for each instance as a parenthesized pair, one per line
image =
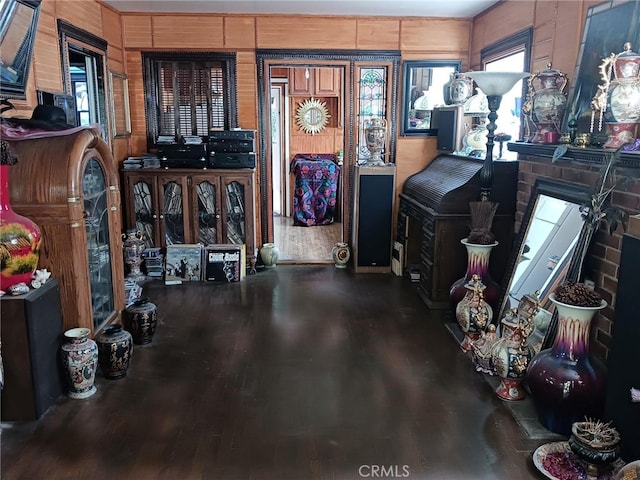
(293, 184)
(274, 69)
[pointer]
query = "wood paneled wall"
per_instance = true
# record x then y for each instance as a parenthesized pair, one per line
(557, 28)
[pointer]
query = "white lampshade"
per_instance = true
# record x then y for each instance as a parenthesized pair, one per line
(496, 83)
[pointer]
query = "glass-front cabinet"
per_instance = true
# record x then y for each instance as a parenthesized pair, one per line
(71, 190)
(192, 206)
(95, 195)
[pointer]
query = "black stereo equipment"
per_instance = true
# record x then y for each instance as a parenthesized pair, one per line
(232, 149)
(232, 141)
(232, 160)
(177, 155)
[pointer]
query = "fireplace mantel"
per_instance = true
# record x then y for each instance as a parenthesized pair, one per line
(585, 155)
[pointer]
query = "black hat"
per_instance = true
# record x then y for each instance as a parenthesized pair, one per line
(49, 117)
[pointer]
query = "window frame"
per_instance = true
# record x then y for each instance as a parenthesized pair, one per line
(150, 61)
(520, 41)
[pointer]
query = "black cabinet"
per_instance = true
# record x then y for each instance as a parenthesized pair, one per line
(31, 333)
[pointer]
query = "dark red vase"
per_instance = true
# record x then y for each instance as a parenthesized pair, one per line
(19, 240)
(477, 264)
(565, 381)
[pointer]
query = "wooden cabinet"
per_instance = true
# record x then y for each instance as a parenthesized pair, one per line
(315, 82)
(301, 81)
(172, 206)
(327, 82)
(69, 186)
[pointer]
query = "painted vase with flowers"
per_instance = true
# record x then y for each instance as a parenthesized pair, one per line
(19, 236)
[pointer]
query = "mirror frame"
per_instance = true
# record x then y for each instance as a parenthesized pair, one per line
(309, 107)
(119, 113)
(570, 192)
(18, 89)
(408, 75)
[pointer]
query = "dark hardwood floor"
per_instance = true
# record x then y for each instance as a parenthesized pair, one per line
(298, 372)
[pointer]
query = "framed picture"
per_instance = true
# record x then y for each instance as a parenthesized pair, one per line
(424, 83)
(606, 29)
(183, 263)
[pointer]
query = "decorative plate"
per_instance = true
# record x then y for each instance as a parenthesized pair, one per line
(557, 462)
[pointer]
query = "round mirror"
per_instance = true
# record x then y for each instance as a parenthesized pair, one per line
(312, 116)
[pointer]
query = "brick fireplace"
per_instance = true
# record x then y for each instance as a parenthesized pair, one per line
(582, 166)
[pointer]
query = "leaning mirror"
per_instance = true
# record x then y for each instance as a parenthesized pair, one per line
(544, 248)
(424, 89)
(18, 24)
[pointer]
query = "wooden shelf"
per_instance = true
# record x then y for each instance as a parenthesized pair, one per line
(589, 155)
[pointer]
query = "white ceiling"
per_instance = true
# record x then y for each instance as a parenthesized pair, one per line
(400, 8)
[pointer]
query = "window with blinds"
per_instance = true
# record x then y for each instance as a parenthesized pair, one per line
(189, 94)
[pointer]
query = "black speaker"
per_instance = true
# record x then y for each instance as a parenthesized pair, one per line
(452, 125)
(624, 356)
(373, 218)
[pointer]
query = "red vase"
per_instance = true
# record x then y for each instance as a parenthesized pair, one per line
(19, 240)
(477, 264)
(566, 382)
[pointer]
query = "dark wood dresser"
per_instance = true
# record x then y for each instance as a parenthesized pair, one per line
(434, 216)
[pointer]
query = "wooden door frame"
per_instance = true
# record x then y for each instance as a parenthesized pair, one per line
(267, 58)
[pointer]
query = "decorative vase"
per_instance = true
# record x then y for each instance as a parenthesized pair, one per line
(19, 240)
(341, 254)
(475, 139)
(115, 348)
(567, 383)
(133, 246)
(473, 313)
(618, 97)
(546, 104)
(481, 349)
(511, 354)
(460, 89)
(140, 319)
(80, 359)
(477, 264)
(375, 134)
(269, 254)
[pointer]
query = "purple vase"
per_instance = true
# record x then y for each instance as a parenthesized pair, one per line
(477, 264)
(566, 382)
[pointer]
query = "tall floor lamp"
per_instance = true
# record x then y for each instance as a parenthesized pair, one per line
(494, 85)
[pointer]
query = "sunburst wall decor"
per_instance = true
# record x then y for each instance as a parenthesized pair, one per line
(312, 116)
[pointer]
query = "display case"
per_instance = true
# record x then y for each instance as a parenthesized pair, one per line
(172, 206)
(69, 186)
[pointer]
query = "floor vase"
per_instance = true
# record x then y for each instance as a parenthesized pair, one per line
(566, 382)
(115, 348)
(269, 254)
(477, 264)
(473, 313)
(341, 255)
(141, 319)
(79, 359)
(19, 240)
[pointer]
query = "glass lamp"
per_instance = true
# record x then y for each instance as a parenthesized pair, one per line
(494, 85)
